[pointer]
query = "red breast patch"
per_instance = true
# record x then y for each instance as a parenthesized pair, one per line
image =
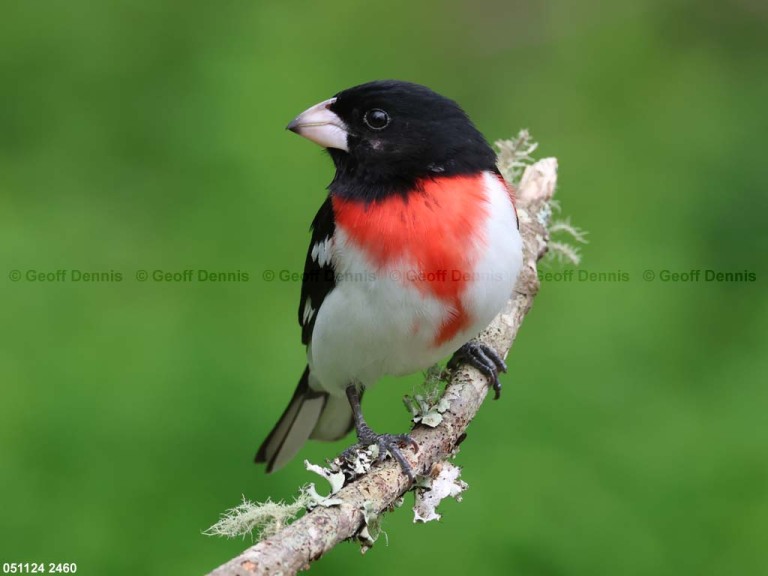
(431, 234)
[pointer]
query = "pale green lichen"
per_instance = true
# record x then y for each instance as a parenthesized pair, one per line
(320, 500)
(335, 477)
(564, 251)
(262, 519)
(371, 529)
(514, 156)
(427, 405)
(444, 483)
(424, 412)
(354, 462)
(566, 227)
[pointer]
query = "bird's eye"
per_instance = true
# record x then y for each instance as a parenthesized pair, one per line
(376, 119)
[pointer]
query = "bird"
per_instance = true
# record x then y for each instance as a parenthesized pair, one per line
(414, 251)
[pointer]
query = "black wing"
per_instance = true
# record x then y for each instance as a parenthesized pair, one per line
(319, 275)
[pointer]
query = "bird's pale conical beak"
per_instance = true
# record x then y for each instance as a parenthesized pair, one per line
(322, 126)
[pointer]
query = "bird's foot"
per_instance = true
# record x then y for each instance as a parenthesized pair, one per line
(391, 443)
(482, 357)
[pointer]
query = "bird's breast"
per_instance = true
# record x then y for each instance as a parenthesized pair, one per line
(432, 234)
(430, 239)
(417, 277)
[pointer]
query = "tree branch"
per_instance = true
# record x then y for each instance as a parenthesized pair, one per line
(296, 545)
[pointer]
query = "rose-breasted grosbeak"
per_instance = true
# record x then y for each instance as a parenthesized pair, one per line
(413, 253)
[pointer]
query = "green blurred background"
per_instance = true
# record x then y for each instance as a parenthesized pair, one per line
(632, 436)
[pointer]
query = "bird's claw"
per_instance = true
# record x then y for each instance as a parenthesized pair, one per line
(485, 359)
(391, 443)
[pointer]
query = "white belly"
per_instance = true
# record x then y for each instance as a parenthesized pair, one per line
(375, 322)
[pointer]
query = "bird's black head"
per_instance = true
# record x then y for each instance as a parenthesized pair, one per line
(385, 136)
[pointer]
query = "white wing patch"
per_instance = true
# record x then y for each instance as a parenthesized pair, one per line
(321, 252)
(309, 312)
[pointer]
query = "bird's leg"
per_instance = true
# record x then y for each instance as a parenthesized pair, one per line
(386, 442)
(482, 357)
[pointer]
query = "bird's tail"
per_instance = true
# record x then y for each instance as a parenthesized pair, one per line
(309, 414)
